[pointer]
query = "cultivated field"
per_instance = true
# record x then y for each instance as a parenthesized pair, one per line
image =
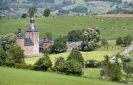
(117, 15)
(11, 76)
(110, 28)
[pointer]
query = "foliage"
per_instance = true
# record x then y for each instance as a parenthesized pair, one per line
(128, 69)
(15, 56)
(79, 9)
(72, 67)
(59, 64)
(119, 41)
(115, 72)
(76, 55)
(24, 15)
(62, 12)
(32, 11)
(75, 35)
(59, 45)
(3, 57)
(48, 35)
(111, 70)
(42, 64)
(8, 40)
(127, 40)
(66, 2)
(104, 42)
(46, 12)
(91, 38)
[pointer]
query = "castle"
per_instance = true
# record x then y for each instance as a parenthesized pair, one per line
(31, 43)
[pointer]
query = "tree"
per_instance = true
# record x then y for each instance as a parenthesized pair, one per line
(104, 42)
(115, 72)
(75, 35)
(32, 11)
(15, 57)
(111, 71)
(46, 12)
(48, 35)
(127, 40)
(76, 55)
(59, 64)
(119, 41)
(24, 15)
(42, 64)
(91, 38)
(59, 45)
(72, 67)
(3, 56)
(8, 40)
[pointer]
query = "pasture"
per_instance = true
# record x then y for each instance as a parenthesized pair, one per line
(94, 55)
(11, 76)
(110, 27)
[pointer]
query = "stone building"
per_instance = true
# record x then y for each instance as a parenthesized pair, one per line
(30, 44)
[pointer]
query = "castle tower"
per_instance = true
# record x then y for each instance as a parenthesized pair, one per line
(20, 38)
(33, 34)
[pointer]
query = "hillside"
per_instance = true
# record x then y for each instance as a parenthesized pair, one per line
(11, 76)
(114, 27)
(15, 8)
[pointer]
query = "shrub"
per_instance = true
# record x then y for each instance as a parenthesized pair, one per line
(72, 67)
(42, 64)
(76, 55)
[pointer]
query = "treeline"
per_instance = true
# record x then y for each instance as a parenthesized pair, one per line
(105, 0)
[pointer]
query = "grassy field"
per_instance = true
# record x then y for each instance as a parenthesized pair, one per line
(110, 28)
(11, 76)
(95, 55)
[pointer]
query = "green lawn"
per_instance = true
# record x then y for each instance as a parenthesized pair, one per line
(11, 76)
(110, 28)
(95, 55)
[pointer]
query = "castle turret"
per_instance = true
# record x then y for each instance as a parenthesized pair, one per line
(20, 38)
(33, 34)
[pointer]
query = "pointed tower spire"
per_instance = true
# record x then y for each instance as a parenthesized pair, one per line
(19, 35)
(32, 26)
(32, 23)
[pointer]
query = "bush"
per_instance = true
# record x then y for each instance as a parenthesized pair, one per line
(42, 64)
(119, 41)
(59, 64)
(72, 67)
(76, 55)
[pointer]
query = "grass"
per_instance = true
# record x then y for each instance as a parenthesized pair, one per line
(95, 55)
(110, 28)
(92, 72)
(11, 76)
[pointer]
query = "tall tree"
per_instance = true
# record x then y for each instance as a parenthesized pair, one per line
(46, 12)
(119, 41)
(59, 45)
(75, 35)
(48, 35)
(32, 11)
(91, 38)
(8, 40)
(127, 40)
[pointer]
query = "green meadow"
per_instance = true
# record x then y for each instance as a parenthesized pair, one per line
(11, 76)
(94, 55)
(110, 28)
